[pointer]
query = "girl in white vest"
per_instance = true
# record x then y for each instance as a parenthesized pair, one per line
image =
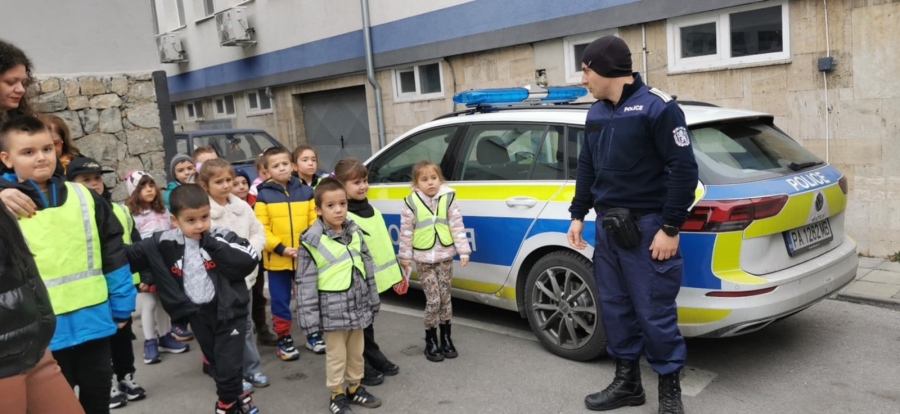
(229, 211)
(431, 233)
(355, 178)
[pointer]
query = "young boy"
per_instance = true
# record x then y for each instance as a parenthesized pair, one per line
(286, 209)
(180, 170)
(336, 293)
(77, 245)
(200, 277)
(203, 154)
(88, 172)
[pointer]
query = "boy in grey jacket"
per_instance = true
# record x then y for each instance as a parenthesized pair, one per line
(337, 294)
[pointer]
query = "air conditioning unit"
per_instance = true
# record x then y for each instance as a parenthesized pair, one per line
(170, 50)
(234, 30)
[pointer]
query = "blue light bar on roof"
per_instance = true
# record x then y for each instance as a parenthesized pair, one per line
(510, 96)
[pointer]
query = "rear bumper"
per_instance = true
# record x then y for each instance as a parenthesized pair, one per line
(818, 278)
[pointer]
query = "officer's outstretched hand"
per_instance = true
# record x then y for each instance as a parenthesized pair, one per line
(575, 230)
(663, 246)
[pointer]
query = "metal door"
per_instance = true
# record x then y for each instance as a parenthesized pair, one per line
(337, 125)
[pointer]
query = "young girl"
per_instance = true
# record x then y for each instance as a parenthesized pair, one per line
(261, 174)
(228, 211)
(355, 178)
(62, 141)
(150, 216)
(180, 170)
(432, 246)
(240, 187)
(306, 165)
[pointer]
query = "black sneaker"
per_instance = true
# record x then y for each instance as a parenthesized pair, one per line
(390, 369)
(372, 376)
(340, 405)
(131, 388)
(363, 398)
(117, 398)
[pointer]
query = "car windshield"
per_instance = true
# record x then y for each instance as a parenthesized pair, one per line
(746, 151)
(238, 148)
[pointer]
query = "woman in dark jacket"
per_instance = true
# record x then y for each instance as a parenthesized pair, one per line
(30, 379)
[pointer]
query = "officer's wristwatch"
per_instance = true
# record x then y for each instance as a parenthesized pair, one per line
(670, 231)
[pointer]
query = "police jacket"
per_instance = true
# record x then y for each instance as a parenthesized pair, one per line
(637, 154)
(93, 322)
(228, 259)
(26, 316)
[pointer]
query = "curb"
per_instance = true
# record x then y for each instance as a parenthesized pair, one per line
(887, 303)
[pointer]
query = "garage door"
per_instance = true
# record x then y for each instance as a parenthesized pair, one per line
(337, 125)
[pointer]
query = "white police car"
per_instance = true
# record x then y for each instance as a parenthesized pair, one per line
(765, 238)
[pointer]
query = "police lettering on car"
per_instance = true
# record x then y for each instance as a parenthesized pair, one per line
(637, 169)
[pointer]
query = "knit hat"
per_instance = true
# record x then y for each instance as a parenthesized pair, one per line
(133, 179)
(242, 173)
(608, 56)
(177, 159)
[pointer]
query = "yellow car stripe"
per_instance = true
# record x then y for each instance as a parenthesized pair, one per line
(726, 262)
(504, 292)
(796, 212)
(696, 316)
(478, 191)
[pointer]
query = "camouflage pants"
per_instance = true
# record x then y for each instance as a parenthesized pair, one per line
(435, 279)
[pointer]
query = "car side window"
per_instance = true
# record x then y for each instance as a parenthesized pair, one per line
(395, 165)
(181, 145)
(550, 163)
(501, 151)
(574, 142)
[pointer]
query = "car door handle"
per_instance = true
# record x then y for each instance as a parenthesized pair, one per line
(521, 202)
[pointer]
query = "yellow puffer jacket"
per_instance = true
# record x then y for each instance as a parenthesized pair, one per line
(285, 214)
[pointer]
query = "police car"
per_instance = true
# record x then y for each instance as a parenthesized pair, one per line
(765, 237)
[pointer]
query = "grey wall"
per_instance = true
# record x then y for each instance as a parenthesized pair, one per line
(83, 36)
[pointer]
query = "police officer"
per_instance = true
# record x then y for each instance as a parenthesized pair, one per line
(637, 169)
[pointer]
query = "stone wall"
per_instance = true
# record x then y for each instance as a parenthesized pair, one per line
(113, 119)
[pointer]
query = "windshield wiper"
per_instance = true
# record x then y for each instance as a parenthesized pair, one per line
(803, 165)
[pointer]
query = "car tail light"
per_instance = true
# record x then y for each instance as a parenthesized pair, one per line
(843, 184)
(742, 294)
(731, 215)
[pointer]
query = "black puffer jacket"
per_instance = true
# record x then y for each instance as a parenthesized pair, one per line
(27, 322)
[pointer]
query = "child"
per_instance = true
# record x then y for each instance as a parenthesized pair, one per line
(203, 154)
(200, 276)
(306, 164)
(88, 172)
(336, 294)
(432, 246)
(264, 336)
(77, 244)
(226, 210)
(355, 178)
(261, 174)
(180, 169)
(150, 216)
(65, 147)
(286, 209)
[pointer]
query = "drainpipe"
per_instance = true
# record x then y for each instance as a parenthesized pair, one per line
(644, 45)
(825, 79)
(370, 72)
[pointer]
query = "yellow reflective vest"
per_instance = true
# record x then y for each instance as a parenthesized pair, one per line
(335, 262)
(127, 221)
(387, 270)
(65, 242)
(430, 226)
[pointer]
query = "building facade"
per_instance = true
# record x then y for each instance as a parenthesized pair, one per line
(298, 70)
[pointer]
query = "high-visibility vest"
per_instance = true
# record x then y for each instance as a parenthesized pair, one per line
(375, 234)
(335, 261)
(66, 247)
(431, 226)
(127, 221)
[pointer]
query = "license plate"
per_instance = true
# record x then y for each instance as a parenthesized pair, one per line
(808, 237)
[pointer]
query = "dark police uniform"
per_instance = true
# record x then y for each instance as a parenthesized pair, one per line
(638, 155)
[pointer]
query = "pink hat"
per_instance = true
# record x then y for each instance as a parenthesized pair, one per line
(133, 179)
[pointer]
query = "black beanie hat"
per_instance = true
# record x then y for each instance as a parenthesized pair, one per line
(609, 56)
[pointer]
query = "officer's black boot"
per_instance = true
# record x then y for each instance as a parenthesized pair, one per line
(432, 349)
(625, 389)
(446, 343)
(670, 394)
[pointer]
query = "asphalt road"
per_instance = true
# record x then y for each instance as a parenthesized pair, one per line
(835, 357)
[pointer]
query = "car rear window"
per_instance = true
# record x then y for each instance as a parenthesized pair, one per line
(746, 151)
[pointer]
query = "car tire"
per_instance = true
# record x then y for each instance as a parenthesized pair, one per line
(571, 327)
